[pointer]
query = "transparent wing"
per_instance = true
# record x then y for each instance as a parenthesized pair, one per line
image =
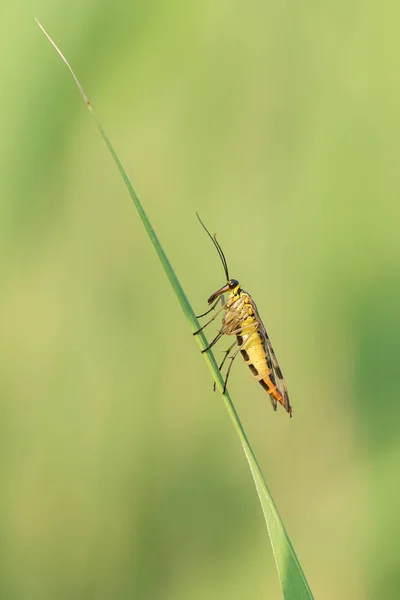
(271, 368)
(276, 373)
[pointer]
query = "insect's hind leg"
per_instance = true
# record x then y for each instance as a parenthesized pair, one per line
(231, 358)
(227, 352)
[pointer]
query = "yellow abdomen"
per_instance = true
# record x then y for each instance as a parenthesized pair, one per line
(252, 349)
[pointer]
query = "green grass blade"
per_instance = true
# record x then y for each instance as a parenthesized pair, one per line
(292, 580)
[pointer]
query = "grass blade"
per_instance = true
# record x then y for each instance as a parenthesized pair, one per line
(292, 580)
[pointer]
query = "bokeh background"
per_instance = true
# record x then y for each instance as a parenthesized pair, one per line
(121, 475)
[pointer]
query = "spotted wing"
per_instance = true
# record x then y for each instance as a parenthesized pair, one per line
(279, 380)
(270, 366)
(276, 373)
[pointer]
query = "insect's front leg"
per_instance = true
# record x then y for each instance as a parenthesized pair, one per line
(219, 299)
(223, 307)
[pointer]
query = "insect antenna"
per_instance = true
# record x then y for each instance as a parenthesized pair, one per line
(218, 247)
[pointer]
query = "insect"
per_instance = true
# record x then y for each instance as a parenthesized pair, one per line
(242, 320)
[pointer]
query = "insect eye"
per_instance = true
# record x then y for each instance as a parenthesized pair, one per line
(233, 283)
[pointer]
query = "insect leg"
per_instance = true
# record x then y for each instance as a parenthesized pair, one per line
(208, 322)
(232, 358)
(215, 340)
(220, 299)
(227, 352)
(211, 320)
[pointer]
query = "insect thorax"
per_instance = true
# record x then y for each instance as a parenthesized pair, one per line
(239, 312)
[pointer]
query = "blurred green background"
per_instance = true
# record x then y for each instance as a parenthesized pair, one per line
(121, 474)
